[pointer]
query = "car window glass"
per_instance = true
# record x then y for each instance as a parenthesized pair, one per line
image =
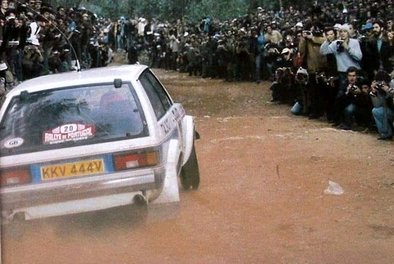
(78, 115)
(157, 95)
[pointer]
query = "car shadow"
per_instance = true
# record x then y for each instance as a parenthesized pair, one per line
(89, 223)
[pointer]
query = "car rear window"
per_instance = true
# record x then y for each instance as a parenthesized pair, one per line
(71, 116)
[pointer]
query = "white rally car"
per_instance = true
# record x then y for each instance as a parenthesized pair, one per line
(84, 141)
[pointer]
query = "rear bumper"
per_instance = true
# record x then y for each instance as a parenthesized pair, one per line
(71, 207)
(14, 198)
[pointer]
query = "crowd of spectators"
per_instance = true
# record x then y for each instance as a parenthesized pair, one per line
(332, 60)
(38, 39)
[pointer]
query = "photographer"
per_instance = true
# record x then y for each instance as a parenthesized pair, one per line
(347, 53)
(330, 87)
(383, 107)
(355, 105)
(14, 36)
(358, 104)
(309, 48)
(32, 60)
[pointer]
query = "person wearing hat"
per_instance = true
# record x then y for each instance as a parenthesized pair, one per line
(347, 53)
(283, 85)
(301, 80)
(286, 60)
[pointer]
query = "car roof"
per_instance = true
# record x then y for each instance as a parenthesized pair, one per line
(74, 78)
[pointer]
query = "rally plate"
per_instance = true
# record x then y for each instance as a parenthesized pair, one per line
(72, 169)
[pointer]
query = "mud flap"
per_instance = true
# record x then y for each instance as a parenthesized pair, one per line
(166, 206)
(170, 192)
(189, 134)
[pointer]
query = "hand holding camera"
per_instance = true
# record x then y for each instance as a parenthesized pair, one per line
(353, 89)
(340, 45)
(307, 34)
(379, 87)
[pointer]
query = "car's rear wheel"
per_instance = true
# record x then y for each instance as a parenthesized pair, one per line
(190, 173)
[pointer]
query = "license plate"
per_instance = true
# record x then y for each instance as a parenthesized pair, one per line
(72, 169)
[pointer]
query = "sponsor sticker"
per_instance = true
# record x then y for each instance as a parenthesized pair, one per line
(13, 143)
(68, 132)
(170, 122)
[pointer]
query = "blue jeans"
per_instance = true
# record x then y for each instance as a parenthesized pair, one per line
(349, 113)
(259, 65)
(383, 124)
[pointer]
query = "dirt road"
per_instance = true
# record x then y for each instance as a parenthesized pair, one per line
(261, 199)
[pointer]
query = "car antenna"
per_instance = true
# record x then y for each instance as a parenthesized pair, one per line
(77, 63)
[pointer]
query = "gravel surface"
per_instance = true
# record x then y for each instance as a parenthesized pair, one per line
(263, 198)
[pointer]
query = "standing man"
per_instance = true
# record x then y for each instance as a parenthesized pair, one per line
(260, 42)
(330, 87)
(273, 36)
(347, 53)
(380, 49)
(309, 49)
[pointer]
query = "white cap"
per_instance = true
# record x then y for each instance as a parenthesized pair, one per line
(344, 27)
(299, 24)
(337, 26)
(285, 50)
(11, 16)
(242, 30)
(3, 66)
(302, 71)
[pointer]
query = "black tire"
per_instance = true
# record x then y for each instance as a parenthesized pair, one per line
(190, 173)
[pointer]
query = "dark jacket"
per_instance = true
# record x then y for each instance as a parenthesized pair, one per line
(384, 55)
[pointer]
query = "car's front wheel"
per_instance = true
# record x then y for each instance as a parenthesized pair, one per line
(190, 173)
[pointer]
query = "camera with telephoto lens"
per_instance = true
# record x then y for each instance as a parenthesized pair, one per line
(301, 78)
(379, 86)
(317, 32)
(379, 89)
(353, 88)
(321, 78)
(340, 47)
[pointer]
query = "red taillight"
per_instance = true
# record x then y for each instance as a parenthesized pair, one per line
(15, 176)
(135, 160)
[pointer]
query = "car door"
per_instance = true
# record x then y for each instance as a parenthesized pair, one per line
(168, 114)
